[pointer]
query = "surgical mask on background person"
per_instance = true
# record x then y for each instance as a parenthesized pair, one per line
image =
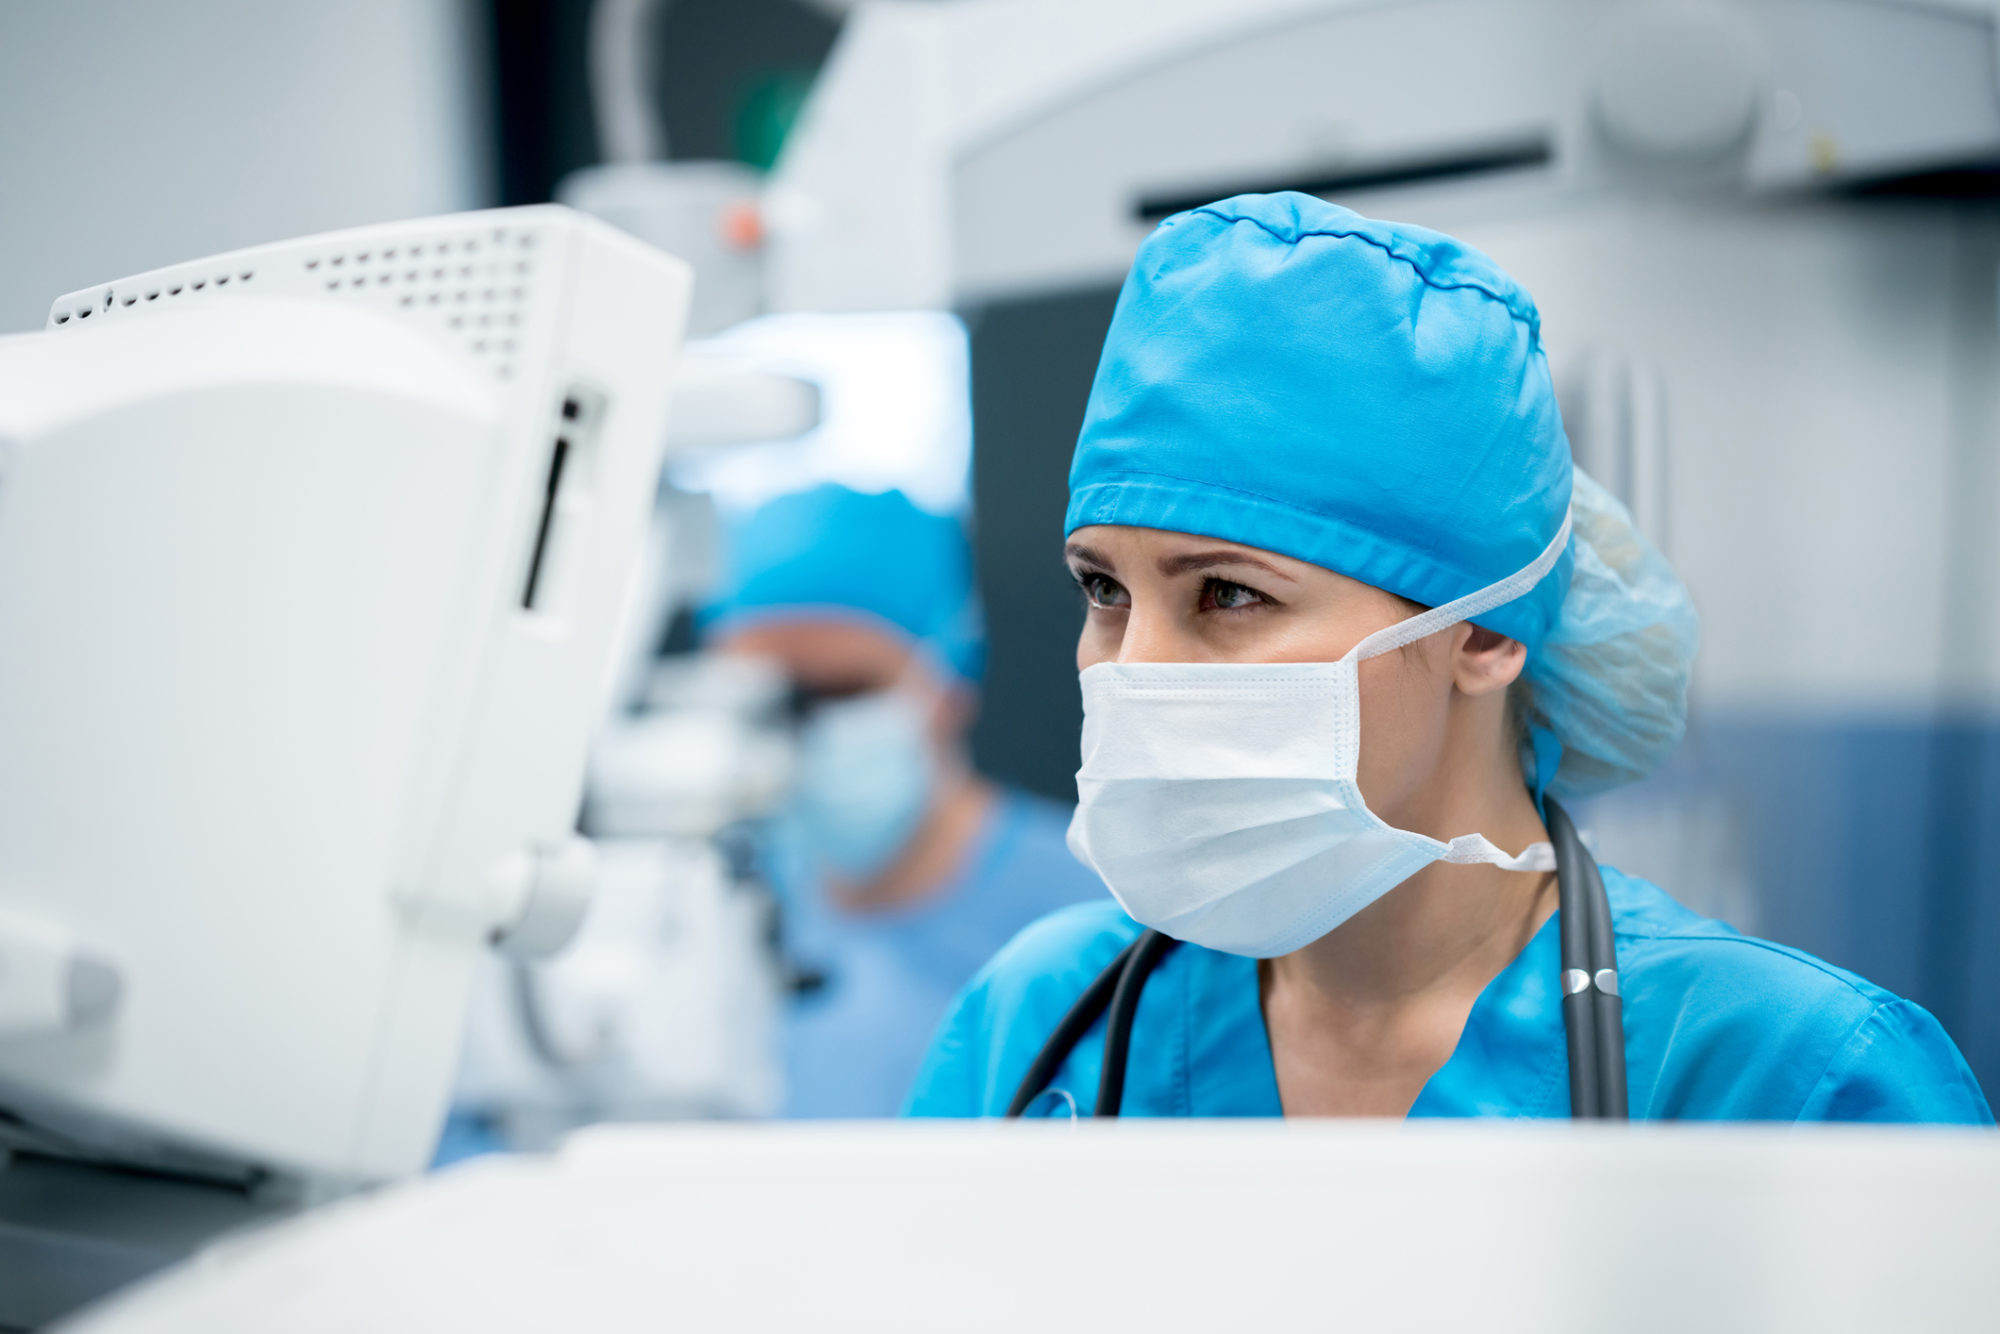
(1219, 801)
(864, 780)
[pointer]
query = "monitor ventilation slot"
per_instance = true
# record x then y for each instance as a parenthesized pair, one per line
(1380, 174)
(476, 287)
(115, 298)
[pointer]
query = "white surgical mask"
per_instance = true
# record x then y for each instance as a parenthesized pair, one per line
(864, 780)
(1218, 801)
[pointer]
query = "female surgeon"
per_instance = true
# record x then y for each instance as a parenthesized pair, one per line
(1350, 615)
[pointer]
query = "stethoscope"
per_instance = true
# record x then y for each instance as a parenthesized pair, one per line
(1593, 1020)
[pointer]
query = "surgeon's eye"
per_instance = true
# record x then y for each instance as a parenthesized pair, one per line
(1103, 592)
(1222, 595)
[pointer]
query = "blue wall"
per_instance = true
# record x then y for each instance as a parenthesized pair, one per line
(1872, 842)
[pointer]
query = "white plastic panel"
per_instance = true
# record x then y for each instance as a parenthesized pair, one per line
(1271, 104)
(1166, 1226)
(1863, 88)
(334, 714)
(997, 147)
(228, 596)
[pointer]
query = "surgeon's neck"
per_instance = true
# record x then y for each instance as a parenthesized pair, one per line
(935, 854)
(1362, 1017)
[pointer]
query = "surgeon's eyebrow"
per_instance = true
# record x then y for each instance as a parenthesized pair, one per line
(1083, 555)
(1190, 562)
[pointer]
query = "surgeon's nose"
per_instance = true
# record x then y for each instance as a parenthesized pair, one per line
(1151, 637)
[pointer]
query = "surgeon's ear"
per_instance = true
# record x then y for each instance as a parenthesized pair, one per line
(1487, 661)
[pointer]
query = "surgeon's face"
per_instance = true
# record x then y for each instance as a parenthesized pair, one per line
(824, 656)
(1157, 596)
(830, 658)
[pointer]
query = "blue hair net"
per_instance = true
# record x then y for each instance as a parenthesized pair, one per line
(1610, 682)
(834, 551)
(1370, 397)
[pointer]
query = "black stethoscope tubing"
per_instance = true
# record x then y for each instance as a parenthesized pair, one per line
(1593, 1011)
(1593, 1015)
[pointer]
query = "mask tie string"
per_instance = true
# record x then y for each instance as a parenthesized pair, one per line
(1547, 748)
(1409, 631)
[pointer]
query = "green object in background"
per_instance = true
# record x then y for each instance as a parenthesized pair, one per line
(766, 113)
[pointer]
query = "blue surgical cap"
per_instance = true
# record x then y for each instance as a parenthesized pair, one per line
(1370, 397)
(836, 552)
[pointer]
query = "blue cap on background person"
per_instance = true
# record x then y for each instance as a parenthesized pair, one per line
(1373, 398)
(831, 551)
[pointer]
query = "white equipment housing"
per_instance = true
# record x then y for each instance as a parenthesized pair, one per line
(1549, 1229)
(311, 557)
(665, 1004)
(953, 153)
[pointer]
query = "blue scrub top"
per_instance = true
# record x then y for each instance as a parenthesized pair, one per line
(1718, 1026)
(851, 1048)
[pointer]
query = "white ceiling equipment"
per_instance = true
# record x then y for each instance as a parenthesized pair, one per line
(953, 152)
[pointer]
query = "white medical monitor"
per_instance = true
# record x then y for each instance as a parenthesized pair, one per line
(310, 558)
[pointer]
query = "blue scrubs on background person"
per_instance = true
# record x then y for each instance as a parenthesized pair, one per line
(852, 1046)
(1372, 399)
(898, 869)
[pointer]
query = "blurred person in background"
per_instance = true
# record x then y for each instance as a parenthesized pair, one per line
(900, 869)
